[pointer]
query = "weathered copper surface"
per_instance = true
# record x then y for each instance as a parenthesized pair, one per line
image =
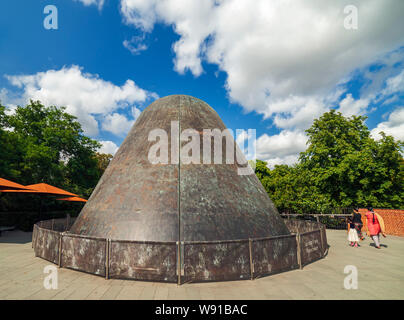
(216, 261)
(311, 247)
(216, 203)
(274, 255)
(134, 199)
(143, 261)
(84, 254)
(200, 261)
(138, 200)
(301, 226)
(178, 222)
(47, 244)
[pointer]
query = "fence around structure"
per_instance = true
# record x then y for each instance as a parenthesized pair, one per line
(180, 262)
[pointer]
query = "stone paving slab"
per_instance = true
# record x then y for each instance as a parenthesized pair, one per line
(380, 276)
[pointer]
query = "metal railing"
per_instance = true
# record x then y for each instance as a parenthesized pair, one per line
(331, 221)
(180, 262)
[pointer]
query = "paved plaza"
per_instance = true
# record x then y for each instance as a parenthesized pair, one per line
(380, 276)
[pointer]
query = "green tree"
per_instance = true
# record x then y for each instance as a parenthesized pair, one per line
(290, 188)
(349, 167)
(10, 149)
(103, 160)
(46, 144)
(342, 166)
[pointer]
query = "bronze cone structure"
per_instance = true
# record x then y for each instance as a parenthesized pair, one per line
(178, 222)
(138, 200)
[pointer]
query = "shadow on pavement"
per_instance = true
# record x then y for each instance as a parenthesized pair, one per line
(382, 245)
(16, 236)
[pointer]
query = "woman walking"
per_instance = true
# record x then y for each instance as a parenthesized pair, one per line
(357, 221)
(375, 225)
(352, 233)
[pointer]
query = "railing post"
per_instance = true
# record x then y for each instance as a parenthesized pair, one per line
(53, 222)
(60, 250)
(107, 252)
(299, 251)
(251, 259)
(33, 237)
(179, 262)
(322, 242)
(35, 240)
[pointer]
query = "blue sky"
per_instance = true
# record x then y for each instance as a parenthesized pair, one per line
(264, 65)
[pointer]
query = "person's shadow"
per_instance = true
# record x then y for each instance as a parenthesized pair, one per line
(382, 245)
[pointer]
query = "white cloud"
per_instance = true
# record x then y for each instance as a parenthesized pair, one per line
(349, 106)
(4, 99)
(388, 101)
(375, 86)
(283, 148)
(84, 95)
(272, 50)
(287, 60)
(136, 112)
(393, 127)
(135, 45)
(98, 3)
(288, 160)
(117, 123)
(190, 19)
(295, 111)
(108, 147)
(394, 84)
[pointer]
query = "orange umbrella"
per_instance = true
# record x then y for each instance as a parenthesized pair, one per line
(43, 188)
(7, 184)
(76, 199)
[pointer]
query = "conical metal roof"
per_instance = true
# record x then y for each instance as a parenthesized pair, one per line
(138, 200)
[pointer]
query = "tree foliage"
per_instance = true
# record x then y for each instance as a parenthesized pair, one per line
(342, 166)
(46, 144)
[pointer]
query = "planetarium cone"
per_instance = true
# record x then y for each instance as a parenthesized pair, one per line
(138, 200)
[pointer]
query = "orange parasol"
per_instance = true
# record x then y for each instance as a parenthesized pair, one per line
(7, 184)
(43, 188)
(76, 199)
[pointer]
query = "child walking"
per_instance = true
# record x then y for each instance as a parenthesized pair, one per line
(352, 233)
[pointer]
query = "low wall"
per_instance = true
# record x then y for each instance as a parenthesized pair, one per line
(180, 262)
(393, 220)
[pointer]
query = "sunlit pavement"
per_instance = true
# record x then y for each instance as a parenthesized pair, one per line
(380, 276)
